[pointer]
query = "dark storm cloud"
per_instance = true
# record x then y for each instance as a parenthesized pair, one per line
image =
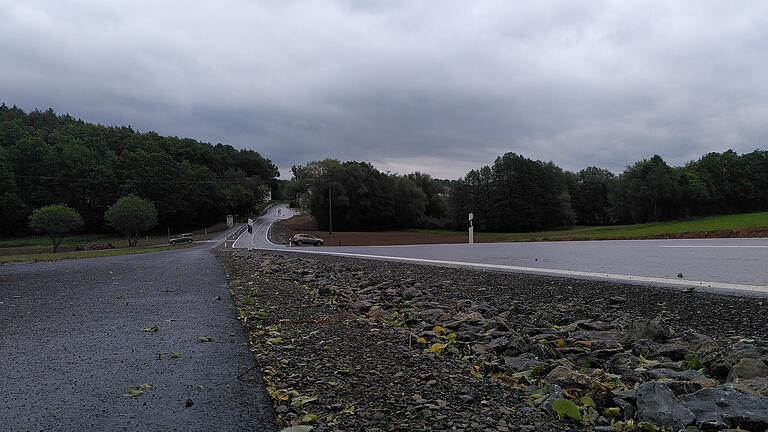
(437, 86)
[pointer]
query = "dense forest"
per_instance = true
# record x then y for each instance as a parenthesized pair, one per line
(47, 158)
(520, 194)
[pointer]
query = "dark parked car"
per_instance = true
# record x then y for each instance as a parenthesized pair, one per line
(300, 239)
(184, 238)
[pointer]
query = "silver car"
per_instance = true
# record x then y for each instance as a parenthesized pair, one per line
(184, 238)
(300, 239)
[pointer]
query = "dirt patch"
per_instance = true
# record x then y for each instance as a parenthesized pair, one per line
(305, 224)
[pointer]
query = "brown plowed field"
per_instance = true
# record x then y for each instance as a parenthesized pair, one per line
(306, 224)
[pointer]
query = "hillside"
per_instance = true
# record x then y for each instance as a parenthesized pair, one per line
(47, 158)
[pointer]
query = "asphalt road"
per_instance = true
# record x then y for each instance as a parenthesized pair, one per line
(71, 341)
(722, 264)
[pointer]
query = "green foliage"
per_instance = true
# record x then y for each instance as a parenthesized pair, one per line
(363, 198)
(566, 408)
(694, 363)
(38, 257)
(136, 391)
(515, 194)
(519, 194)
(46, 158)
(131, 215)
(55, 220)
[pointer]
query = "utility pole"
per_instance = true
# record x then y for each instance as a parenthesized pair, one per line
(330, 209)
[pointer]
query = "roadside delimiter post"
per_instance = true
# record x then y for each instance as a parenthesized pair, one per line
(471, 229)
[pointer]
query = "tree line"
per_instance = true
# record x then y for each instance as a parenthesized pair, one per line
(47, 159)
(363, 198)
(516, 193)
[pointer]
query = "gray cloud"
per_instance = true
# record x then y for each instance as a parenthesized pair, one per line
(436, 86)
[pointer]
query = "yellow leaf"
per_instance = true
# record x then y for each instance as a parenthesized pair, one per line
(437, 329)
(436, 348)
(451, 337)
(421, 341)
(560, 343)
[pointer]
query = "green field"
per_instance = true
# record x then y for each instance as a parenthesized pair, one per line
(87, 239)
(721, 225)
(85, 254)
(73, 240)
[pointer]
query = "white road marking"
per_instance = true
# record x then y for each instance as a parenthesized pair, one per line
(560, 272)
(536, 270)
(714, 246)
(238, 237)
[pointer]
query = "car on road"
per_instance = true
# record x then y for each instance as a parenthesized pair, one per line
(300, 239)
(184, 238)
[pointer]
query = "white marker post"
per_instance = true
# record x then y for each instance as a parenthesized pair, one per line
(471, 229)
(249, 228)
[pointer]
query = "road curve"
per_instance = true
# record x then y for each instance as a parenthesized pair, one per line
(724, 264)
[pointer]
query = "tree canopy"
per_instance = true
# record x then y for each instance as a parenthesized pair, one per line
(55, 221)
(131, 215)
(520, 194)
(47, 158)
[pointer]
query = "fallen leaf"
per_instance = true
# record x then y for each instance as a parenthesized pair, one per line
(175, 354)
(153, 329)
(136, 391)
(436, 348)
(566, 408)
(204, 339)
(300, 401)
(300, 428)
(309, 418)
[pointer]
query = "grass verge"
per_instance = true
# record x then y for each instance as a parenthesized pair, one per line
(745, 225)
(711, 226)
(84, 254)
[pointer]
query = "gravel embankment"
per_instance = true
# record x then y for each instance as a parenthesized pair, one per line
(349, 344)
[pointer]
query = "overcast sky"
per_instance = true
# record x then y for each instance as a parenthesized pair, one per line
(437, 86)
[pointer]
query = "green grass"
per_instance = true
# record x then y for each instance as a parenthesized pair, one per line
(72, 240)
(85, 254)
(743, 221)
(88, 239)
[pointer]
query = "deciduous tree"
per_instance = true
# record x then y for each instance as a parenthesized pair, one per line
(55, 220)
(131, 215)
